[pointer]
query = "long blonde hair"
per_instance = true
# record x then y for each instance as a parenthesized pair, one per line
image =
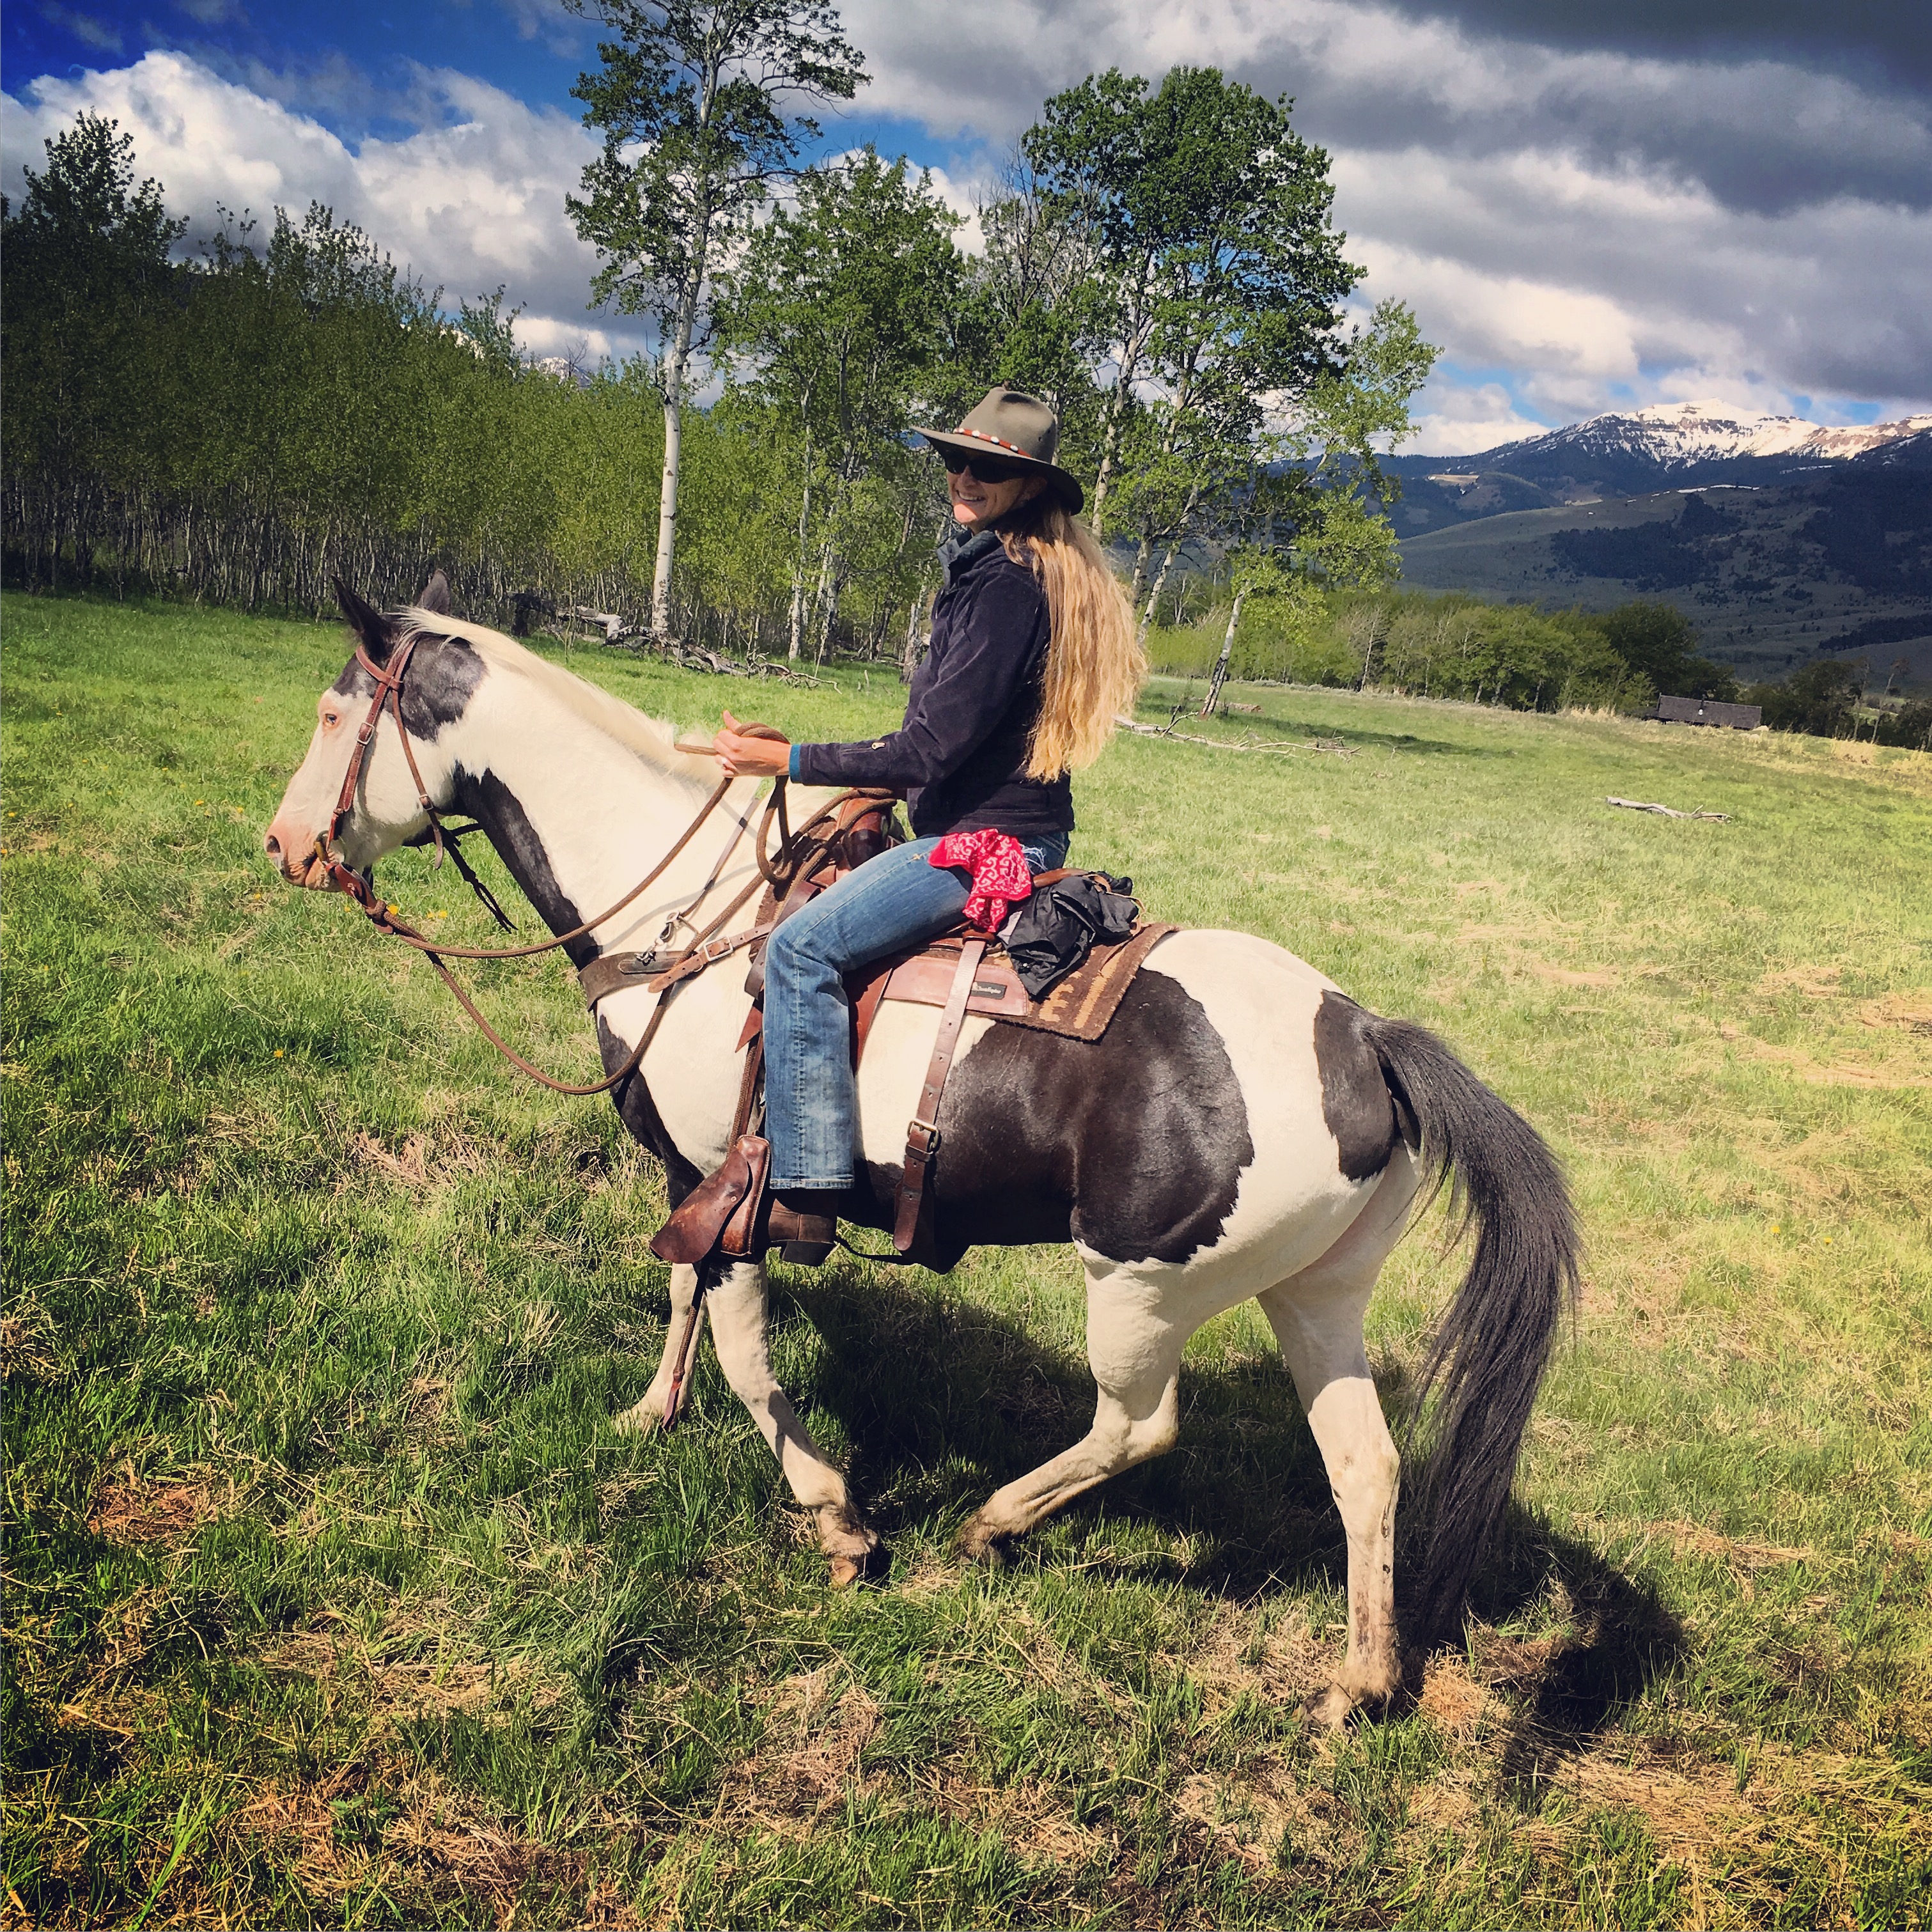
(1095, 665)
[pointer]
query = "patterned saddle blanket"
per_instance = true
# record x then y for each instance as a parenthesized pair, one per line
(1079, 1007)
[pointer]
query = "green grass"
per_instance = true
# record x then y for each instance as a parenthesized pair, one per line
(332, 1597)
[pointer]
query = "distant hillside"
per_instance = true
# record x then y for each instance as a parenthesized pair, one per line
(1770, 577)
(1781, 540)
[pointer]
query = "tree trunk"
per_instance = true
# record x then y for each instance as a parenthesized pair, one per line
(1220, 676)
(1131, 347)
(818, 599)
(676, 364)
(1159, 585)
(798, 572)
(1143, 555)
(909, 657)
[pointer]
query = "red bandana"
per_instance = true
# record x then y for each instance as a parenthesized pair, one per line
(999, 870)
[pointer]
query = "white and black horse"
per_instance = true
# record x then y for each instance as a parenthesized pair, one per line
(1242, 1129)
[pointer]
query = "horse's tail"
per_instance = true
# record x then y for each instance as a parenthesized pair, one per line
(1495, 1342)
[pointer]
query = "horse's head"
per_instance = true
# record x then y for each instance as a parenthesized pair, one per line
(384, 811)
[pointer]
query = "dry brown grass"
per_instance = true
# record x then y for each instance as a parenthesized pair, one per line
(132, 1512)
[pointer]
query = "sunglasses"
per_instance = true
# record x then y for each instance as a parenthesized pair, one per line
(983, 468)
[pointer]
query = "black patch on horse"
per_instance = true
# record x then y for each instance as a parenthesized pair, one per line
(1355, 1100)
(496, 808)
(488, 800)
(1132, 1144)
(443, 675)
(638, 1111)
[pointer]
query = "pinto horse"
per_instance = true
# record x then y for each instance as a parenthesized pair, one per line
(1241, 1130)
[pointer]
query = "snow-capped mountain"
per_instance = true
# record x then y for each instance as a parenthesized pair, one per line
(1698, 431)
(1672, 434)
(1666, 446)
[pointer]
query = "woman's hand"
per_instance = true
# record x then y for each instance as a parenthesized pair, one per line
(750, 757)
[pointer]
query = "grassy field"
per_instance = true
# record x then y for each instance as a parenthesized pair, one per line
(332, 1597)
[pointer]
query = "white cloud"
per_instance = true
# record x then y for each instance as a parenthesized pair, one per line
(1612, 226)
(1605, 229)
(473, 199)
(1457, 419)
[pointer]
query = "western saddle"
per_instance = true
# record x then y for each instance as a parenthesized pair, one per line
(962, 973)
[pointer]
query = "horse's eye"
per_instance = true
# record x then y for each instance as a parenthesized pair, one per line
(332, 718)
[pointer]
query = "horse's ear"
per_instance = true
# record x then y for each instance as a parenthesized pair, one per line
(368, 623)
(436, 595)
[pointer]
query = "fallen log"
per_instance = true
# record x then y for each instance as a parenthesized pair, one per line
(1665, 810)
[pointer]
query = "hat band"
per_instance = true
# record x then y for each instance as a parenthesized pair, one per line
(986, 436)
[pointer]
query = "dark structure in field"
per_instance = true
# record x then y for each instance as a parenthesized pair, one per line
(1708, 711)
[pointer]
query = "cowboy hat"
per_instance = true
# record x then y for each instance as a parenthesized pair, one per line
(1019, 429)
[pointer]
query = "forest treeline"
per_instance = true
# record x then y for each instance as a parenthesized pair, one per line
(1445, 644)
(284, 404)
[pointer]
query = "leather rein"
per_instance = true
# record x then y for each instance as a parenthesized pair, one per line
(796, 850)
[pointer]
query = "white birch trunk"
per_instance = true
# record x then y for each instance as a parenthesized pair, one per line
(1220, 676)
(1159, 585)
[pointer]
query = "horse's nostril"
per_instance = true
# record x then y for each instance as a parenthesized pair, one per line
(273, 846)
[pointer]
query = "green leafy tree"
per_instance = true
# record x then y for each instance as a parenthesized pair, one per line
(87, 315)
(836, 321)
(1658, 642)
(697, 101)
(1032, 314)
(1821, 698)
(1217, 273)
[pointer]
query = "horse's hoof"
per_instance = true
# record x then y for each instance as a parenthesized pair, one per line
(871, 1566)
(979, 1543)
(641, 1418)
(1329, 1710)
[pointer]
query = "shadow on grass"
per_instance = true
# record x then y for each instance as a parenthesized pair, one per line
(1153, 712)
(944, 1400)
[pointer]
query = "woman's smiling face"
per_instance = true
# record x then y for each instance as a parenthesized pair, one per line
(977, 506)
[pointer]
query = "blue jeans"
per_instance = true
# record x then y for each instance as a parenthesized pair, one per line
(890, 902)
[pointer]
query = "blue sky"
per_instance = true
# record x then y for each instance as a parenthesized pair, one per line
(1588, 207)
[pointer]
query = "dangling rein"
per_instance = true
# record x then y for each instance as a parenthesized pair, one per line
(705, 950)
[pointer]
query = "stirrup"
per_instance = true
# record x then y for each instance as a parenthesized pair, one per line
(732, 1213)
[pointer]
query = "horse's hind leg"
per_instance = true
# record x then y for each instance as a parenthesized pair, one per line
(1317, 1319)
(1134, 1345)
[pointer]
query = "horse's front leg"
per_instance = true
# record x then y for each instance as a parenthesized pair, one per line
(649, 1414)
(738, 1330)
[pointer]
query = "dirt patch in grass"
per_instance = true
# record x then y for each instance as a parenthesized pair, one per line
(1248, 1653)
(1815, 983)
(817, 1730)
(134, 1513)
(1910, 1011)
(392, 1689)
(1453, 1696)
(1252, 1819)
(1844, 1071)
(1562, 976)
(415, 1836)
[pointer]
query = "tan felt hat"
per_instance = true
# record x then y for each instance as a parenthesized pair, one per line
(1017, 428)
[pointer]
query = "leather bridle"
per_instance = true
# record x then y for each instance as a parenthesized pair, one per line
(798, 851)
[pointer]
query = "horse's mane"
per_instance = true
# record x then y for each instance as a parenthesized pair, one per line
(654, 739)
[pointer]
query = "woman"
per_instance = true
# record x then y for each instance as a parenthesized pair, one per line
(1034, 653)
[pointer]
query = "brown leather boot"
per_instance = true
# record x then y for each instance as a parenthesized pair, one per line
(802, 1224)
